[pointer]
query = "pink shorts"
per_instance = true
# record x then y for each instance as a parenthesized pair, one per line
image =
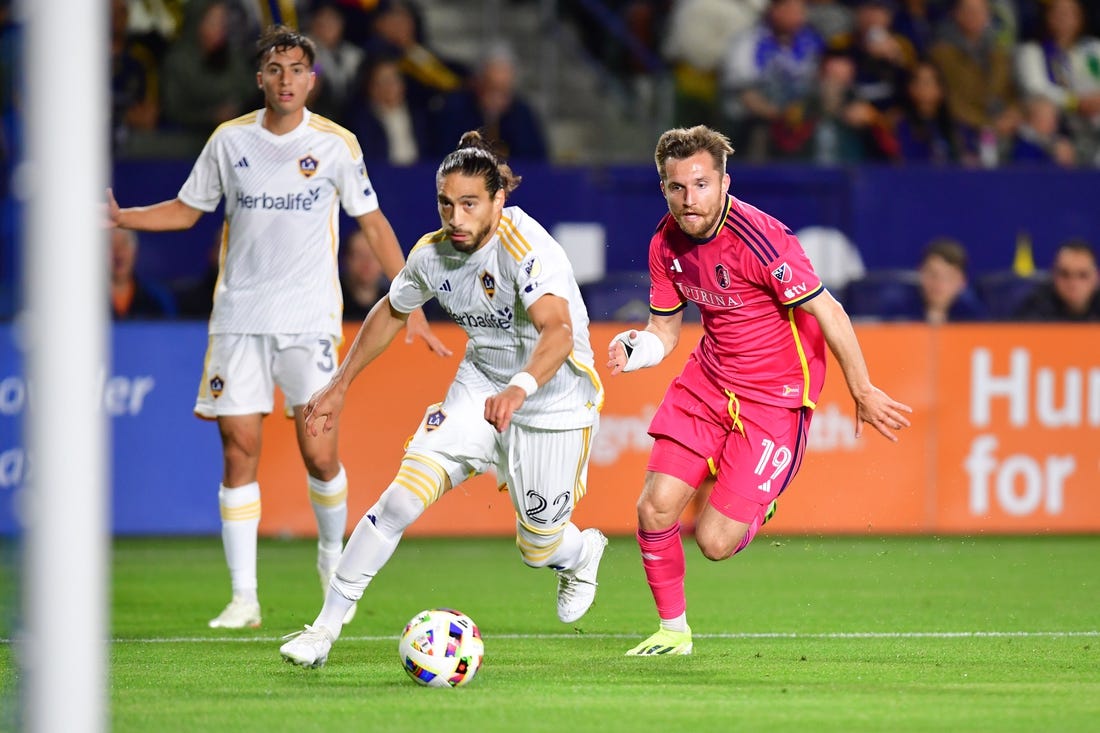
(754, 450)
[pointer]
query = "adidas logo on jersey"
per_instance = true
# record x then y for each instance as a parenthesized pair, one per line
(446, 286)
(242, 163)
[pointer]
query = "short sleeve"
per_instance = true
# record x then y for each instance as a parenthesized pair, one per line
(408, 291)
(790, 274)
(664, 299)
(357, 194)
(545, 270)
(204, 188)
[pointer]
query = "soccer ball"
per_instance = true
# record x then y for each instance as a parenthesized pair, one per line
(441, 647)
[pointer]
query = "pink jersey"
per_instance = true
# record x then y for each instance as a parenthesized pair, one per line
(746, 281)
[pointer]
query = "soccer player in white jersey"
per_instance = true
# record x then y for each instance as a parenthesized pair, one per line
(277, 305)
(525, 402)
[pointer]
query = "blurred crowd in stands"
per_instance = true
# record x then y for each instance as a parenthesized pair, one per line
(181, 67)
(966, 82)
(971, 82)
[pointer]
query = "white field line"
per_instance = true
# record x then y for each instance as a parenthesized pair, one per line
(760, 635)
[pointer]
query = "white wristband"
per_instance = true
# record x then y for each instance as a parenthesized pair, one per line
(643, 349)
(525, 381)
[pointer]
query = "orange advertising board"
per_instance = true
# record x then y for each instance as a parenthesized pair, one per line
(1005, 435)
(1018, 445)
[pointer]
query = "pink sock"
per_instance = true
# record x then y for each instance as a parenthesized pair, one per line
(663, 560)
(754, 527)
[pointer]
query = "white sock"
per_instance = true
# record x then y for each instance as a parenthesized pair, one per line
(326, 564)
(570, 553)
(240, 510)
(330, 507)
(366, 552)
(680, 623)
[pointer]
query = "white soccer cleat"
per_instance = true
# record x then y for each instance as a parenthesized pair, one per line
(239, 614)
(307, 648)
(577, 588)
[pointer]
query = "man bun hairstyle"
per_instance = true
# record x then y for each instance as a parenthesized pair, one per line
(684, 142)
(474, 156)
(278, 38)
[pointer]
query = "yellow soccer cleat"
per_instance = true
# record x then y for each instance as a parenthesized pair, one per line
(664, 642)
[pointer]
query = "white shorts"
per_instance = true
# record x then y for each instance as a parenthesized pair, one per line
(546, 470)
(241, 371)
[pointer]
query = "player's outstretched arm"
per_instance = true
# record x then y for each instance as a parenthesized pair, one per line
(634, 349)
(167, 216)
(550, 317)
(379, 328)
(873, 406)
(383, 242)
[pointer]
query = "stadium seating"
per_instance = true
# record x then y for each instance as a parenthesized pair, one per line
(880, 293)
(1004, 291)
(620, 296)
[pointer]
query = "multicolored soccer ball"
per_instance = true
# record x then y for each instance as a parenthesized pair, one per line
(441, 647)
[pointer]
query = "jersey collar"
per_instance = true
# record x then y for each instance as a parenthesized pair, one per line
(285, 137)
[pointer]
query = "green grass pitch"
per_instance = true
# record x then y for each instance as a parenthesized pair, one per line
(795, 634)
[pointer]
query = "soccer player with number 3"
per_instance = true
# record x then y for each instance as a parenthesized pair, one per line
(284, 174)
(741, 408)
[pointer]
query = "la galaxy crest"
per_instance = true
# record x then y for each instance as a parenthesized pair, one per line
(488, 283)
(434, 419)
(217, 384)
(307, 166)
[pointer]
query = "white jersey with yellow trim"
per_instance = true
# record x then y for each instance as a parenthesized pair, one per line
(488, 293)
(278, 259)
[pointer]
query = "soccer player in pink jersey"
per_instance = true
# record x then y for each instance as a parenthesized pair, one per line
(741, 408)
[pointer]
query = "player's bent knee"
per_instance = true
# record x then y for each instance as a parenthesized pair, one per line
(653, 518)
(536, 545)
(395, 510)
(418, 484)
(716, 546)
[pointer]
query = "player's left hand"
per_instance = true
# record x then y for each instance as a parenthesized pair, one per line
(500, 407)
(882, 412)
(417, 327)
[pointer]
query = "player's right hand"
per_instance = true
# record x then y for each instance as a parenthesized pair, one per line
(634, 349)
(417, 327)
(323, 408)
(617, 355)
(113, 212)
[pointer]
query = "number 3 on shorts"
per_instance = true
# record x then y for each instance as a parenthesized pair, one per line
(328, 362)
